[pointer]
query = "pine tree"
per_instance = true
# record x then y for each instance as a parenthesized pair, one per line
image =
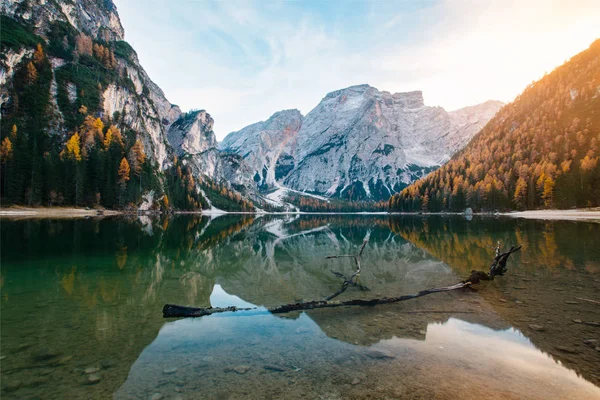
(425, 205)
(113, 61)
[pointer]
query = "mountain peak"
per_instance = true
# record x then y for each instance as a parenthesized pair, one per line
(412, 99)
(192, 133)
(356, 90)
(97, 19)
(291, 113)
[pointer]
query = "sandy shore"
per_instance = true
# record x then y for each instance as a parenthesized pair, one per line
(52, 212)
(18, 212)
(592, 214)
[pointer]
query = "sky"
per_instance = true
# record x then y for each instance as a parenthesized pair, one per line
(242, 61)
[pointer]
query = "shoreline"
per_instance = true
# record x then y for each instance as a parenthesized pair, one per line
(21, 212)
(581, 214)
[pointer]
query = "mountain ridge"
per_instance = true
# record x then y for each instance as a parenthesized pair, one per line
(343, 119)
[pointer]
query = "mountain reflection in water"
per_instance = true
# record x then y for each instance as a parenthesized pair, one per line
(88, 294)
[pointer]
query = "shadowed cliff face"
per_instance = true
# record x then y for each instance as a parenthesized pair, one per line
(89, 294)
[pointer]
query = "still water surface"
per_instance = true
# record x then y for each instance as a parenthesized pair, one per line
(81, 309)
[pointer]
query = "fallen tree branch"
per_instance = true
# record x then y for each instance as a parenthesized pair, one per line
(498, 267)
(356, 274)
(588, 300)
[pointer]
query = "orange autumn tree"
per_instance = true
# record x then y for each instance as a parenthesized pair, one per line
(137, 157)
(6, 150)
(72, 148)
(38, 55)
(124, 171)
(32, 73)
(539, 151)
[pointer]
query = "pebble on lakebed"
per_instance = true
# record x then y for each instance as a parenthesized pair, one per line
(91, 370)
(537, 328)
(239, 369)
(378, 355)
(274, 368)
(93, 379)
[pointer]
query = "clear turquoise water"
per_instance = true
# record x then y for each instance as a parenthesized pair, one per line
(81, 309)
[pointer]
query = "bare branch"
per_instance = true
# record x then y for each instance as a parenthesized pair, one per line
(498, 268)
(351, 281)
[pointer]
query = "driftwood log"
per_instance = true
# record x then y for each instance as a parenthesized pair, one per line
(497, 268)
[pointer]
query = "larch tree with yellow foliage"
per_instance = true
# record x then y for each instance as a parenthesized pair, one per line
(72, 148)
(6, 150)
(32, 73)
(124, 171)
(6, 153)
(38, 55)
(137, 158)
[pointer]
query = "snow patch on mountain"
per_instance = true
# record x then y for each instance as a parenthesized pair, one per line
(358, 142)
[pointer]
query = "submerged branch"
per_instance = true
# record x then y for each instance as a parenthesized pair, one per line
(350, 281)
(498, 267)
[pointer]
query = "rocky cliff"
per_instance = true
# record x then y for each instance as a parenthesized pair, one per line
(140, 103)
(266, 146)
(84, 61)
(357, 143)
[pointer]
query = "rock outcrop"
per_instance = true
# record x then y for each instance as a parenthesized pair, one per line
(192, 137)
(266, 146)
(141, 105)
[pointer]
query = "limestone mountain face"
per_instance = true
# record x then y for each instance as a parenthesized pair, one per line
(192, 133)
(266, 146)
(139, 102)
(192, 137)
(468, 121)
(98, 19)
(357, 143)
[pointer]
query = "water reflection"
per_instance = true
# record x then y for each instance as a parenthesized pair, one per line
(83, 296)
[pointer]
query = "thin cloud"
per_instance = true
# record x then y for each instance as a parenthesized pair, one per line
(243, 61)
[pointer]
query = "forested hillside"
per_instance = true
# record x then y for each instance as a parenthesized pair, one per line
(57, 145)
(540, 151)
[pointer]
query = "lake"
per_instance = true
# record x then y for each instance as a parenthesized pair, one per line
(82, 309)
